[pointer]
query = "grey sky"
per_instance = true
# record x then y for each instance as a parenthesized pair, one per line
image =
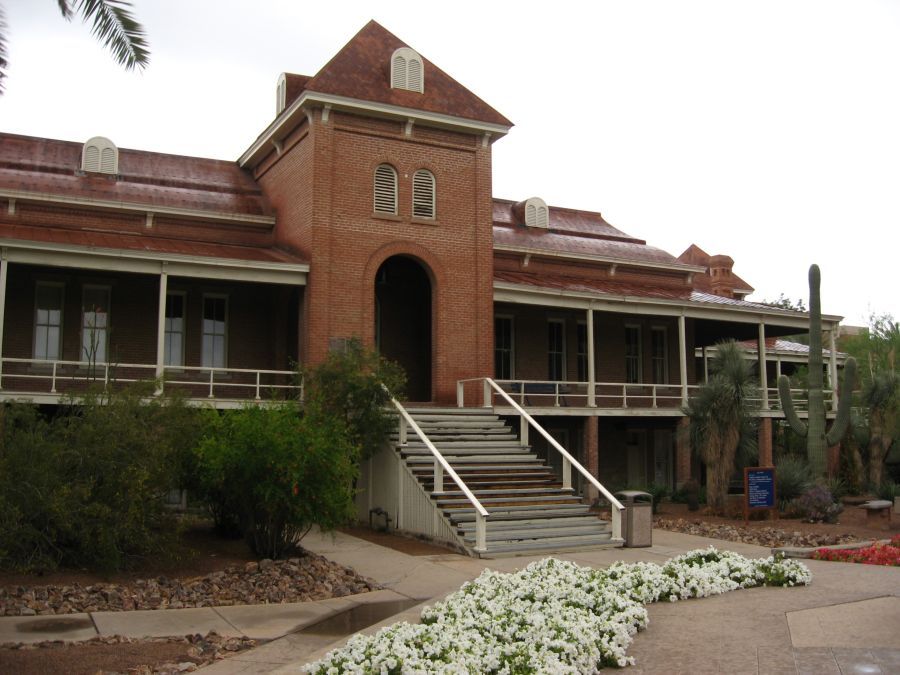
(767, 131)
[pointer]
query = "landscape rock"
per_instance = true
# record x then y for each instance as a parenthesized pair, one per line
(769, 537)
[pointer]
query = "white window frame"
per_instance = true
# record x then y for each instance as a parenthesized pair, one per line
(637, 358)
(510, 353)
(100, 155)
(168, 333)
(659, 361)
(380, 190)
(407, 70)
(424, 195)
(203, 333)
(86, 331)
(61, 287)
(561, 376)
(537, 213)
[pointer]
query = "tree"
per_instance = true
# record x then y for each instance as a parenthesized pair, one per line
(784, 302)
(721, 419)
(112, 24)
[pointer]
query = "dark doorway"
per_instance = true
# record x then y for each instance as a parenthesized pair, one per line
(403, 321)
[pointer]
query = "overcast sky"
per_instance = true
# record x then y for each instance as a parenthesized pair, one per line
(765, 130)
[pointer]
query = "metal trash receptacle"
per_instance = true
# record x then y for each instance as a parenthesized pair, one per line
(638, 525)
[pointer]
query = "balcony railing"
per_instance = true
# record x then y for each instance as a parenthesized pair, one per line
(620, 395)
(52, 379)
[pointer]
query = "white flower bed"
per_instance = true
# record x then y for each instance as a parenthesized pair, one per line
(551, 617)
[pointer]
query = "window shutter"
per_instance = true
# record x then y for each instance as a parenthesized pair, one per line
(543, 219)
(423, 194)
(91, 158)
(398, 72)
(385, 189)
(108, 160)
(414, 75)
(530, 215)
(407, 70)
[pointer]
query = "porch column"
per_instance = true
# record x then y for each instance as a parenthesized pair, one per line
(682, 452)
(161, 323)
(682, 359)
(705, 365)
(4, 268)
(765, 442)
(832, 367)
(591, 397)
(592, 454)
(761, 356)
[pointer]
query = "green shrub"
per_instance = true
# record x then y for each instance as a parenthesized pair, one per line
(815, 505)
(888, 490)
(792, 477)
(658, 493)
(278, 473)
(86, 488)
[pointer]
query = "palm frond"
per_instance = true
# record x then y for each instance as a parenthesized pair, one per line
(115, 26)
(65, 8)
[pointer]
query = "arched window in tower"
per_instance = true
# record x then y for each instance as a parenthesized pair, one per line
(385, 189)
(537, 214)
(407, 70)
(423, 194)
(100, 155)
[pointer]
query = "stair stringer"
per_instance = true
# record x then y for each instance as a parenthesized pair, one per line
(388, 482)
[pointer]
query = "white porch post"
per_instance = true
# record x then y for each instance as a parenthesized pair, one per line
(832, 364)
(591, 397)
(705, 365)
(761, 357)
(682, 359)
(161, 323)
(4, 268)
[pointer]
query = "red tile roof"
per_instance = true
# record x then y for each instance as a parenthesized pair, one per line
(362, 70)
(51, 166)
(145, 243)
(694, 255)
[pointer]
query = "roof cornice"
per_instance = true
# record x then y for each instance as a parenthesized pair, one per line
(111, 205)
(610, 260)
(285, 122)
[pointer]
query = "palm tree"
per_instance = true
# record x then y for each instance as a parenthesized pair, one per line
(112, 24)
(721, 419)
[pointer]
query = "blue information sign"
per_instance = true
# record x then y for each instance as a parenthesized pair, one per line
(759, 487)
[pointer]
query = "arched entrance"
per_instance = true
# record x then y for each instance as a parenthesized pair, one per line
(403, 321)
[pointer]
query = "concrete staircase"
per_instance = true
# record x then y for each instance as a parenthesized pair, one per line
(529, 509)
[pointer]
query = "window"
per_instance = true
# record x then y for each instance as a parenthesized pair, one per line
(215, 320)
(100, 155)
(581, 352)
(407, 70)
(659, 355)
(556, 350)
(537, 214)
(504, 348)
(48, 305)
(632, 354)
(385, 189)
(174, 329)
(423, 194)
(95, 324)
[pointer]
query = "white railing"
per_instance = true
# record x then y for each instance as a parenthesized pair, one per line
(441, 465)
(568, 462)
(69, 376)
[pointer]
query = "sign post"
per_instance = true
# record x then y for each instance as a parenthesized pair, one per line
(759, 490)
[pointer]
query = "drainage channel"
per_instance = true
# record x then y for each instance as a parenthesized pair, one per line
(356, 618)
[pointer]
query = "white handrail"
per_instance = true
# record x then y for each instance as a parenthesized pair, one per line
(441, 465)
(568, 460)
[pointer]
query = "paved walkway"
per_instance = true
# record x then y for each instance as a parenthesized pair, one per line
(847, 621)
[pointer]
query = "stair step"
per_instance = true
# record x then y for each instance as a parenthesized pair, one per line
(562, 544)
(450, 502)
(530, 511)
(521, 522)
(472, 460)
(463, 450)
(507, 491)
(533, 534)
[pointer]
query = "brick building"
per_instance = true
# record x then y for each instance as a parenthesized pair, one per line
(363, 210)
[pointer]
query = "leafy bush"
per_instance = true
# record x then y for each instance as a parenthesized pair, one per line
(691, 494)
(86, 488)
(278, 473)
(837, 486)
(888, 490)
(658, 493)
(793, 477)
(816, 505)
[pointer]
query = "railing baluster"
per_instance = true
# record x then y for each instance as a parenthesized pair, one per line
(438, 477)
(53, 379)
(257, 385)
(556, 394)
(211, 374)
(566, 474)
(653, 389)
(460, 394)
(487, 395)
(402, 432)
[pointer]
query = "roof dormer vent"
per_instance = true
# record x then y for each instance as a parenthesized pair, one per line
(407, 70)
(537, 214)
(100, 155)
(280, 94)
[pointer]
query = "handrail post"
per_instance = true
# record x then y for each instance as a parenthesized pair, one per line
(487, 393)
(566, 474)
(401, 435)
(105, 376)
(257, 385)
(523, 430)
(438, 477)
(53, 379)
(616, 518)
(460, 394)
(556, 394)
(624, 395)
(211, 373)
(653, 389)
(480, 533)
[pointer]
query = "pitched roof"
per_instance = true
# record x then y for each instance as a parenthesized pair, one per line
(362, 70)
(695, 255)
(51, 166)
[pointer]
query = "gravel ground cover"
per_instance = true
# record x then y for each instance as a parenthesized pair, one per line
(761, 536)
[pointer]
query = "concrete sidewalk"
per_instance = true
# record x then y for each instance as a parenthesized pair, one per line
(848, 620)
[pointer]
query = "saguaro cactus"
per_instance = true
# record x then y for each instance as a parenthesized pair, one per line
(817, 440)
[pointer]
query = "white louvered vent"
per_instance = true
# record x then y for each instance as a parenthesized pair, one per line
(280, 94)
(385, 189)
(423, 194)
(100, 155)
(536, 213)
(407, 70)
